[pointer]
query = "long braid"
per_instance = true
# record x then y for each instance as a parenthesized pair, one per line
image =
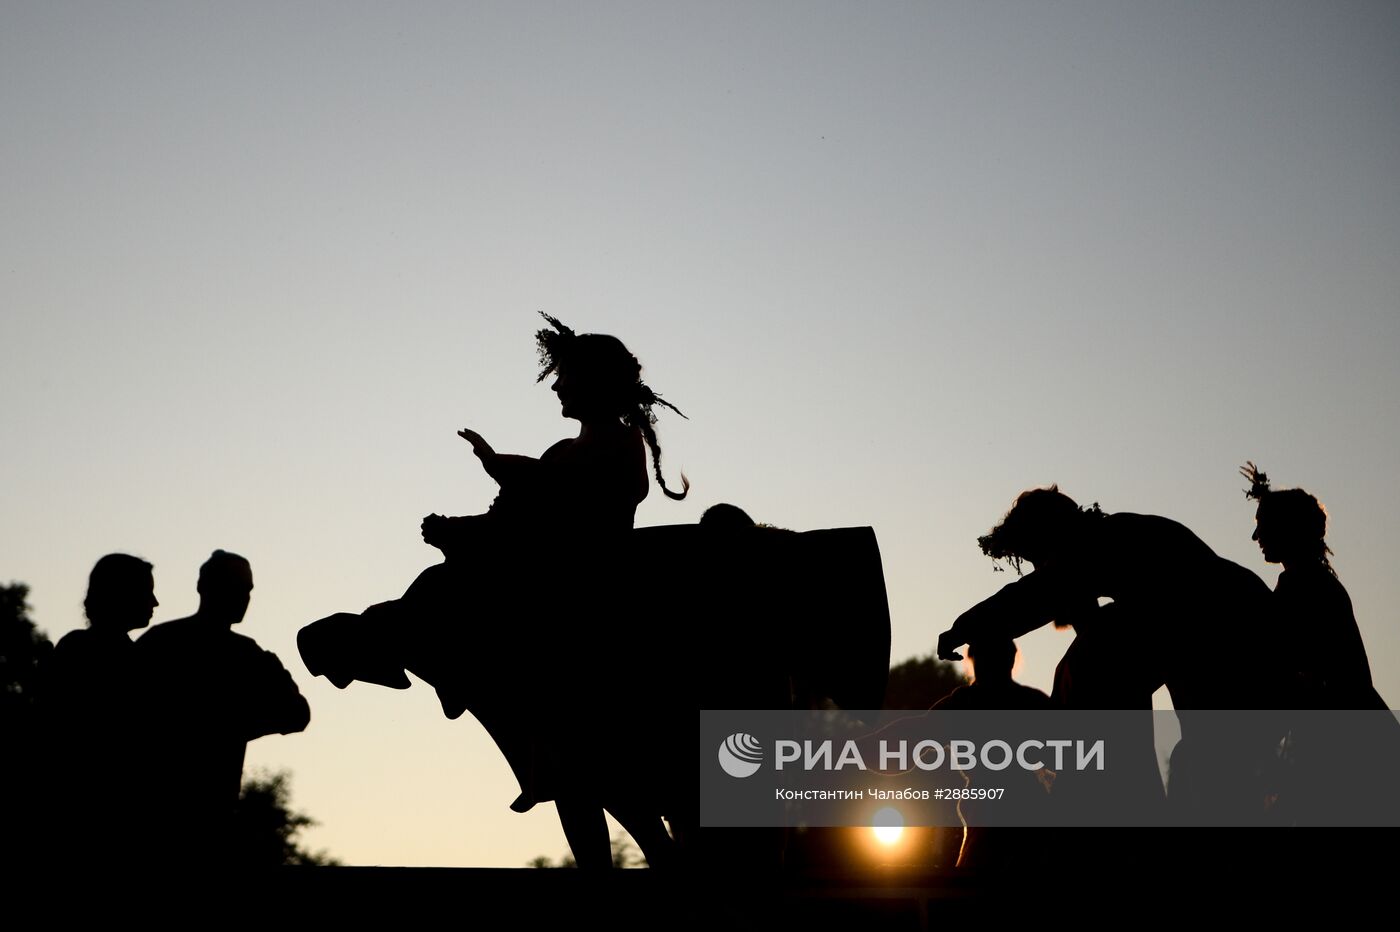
(644, 424)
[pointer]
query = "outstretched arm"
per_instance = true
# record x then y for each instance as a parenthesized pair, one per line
(503, 467)
(1016, 609)
(506, 468)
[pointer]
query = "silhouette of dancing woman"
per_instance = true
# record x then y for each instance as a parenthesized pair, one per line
(495, 628)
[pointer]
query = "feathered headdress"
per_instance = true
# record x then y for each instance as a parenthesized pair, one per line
(1258, 481)
(557, 345)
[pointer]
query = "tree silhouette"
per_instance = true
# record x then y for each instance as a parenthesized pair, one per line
(624, 854)
(919, 682)
(23, 648)
(266, 827)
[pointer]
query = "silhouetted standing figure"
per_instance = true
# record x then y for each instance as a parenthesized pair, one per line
(993, 690)
(1187, 601)
(212, 691)
(1310, 602)
(1342, 753)
(528, 591)
(94, 708)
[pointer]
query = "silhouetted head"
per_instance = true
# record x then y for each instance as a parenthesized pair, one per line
(225, 587)
(1290, 525)
(121, 594)
(726, 517)
(992, 659)
(1042, 526)
(598, 379)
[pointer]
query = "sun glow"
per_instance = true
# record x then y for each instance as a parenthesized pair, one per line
(888, 827)
(888, 834)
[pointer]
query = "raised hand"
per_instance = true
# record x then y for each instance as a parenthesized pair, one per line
(479, 445)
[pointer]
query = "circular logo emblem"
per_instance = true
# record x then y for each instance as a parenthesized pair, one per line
(740, 755)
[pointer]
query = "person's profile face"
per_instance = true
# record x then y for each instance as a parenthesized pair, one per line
(565, 387)
(1041, 561)
(239, 594)
(132, 603)
(225, 596)
(578, 393)
(143, 602)
(238, 602)
(1040, 555)
(1268, 535)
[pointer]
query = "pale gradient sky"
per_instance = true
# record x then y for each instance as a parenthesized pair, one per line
(897, 261)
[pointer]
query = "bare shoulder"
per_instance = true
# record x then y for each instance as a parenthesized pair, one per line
(621, 442)
(559, 447)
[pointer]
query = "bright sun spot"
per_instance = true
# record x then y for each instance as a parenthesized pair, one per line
(888, 834)
(889, 825)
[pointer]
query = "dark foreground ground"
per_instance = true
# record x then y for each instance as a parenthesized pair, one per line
(1226, 885)
(1203, 879)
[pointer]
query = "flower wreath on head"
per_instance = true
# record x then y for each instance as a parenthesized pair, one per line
(1258, 481)
(1297, 501)
(556, 345)
(994, 543)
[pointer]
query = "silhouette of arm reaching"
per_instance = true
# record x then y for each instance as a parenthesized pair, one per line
(507, 469)
(1016, 609)
(503, 467)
